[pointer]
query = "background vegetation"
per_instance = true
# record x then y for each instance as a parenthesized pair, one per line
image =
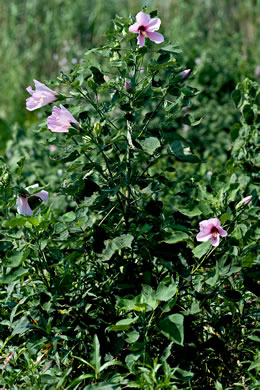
(81, 307)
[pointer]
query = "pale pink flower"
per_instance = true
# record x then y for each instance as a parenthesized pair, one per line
(52, 148)
(246, 200)
(40, 97)
(23, 206)
(185, 74)
(146, 27)
(128, 85)
(60, 120)
(209, 174)
(257, 71)
(211, 229)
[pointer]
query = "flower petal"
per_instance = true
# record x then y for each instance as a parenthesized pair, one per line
(155, 37)
(206, 226)
(40, 97)
(38, 100)
(134, 27)
(60, 119)
(66, 114)
(23, 206)
(141, 40)
(32, 186)
(29, 90)
(203, 236)
(142, 18)
(215, 240)
(41, 87)
(153, 25)
(42, 194)
(222, 232)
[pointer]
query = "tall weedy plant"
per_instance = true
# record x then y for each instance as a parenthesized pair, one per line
(121, 295)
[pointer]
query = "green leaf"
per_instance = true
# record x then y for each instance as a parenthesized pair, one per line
(248, 114)
(190, 210)
(254, 364)
(234, 132)
(148, 297)
(34, 220)
(65, 153)
(180, 228)
(123, 241)
(132, 337)
(16, 259)
(68, 217)
(205, 209)
(214, 278)
(150, 144)
(20, 164)
(171, 48)
(172, 328)
(181, 154)
(164, 293)
(183, 375)
(218, 386)
(15, 274)
(132, 358)
(95, 354)
(236, 96)
(110, 363)
(21, 326)
(17, 221)
(176, 237)
(101, 386)
(201, 249)
(164, 58)
(167, 352)
(97, 75)
(153, 14)
(79, 379)
(124, 324)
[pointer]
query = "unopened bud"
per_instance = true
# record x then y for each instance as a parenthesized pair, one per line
(128, 85)
(244, 201)
(185, 74)
(97, 129)
(247, 199)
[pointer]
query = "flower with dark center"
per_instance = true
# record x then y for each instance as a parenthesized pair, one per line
(145, 27)
(211, 229)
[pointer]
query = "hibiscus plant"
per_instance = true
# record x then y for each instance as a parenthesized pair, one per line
(105, 282)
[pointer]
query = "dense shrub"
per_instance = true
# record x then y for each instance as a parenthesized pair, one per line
(105, 285)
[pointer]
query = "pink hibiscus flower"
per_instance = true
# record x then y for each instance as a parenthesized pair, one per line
(211, 229)
(60, 120)
(146, 27)
(40, 97)
(23, 206)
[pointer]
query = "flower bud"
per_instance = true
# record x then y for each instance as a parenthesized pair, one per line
(128, 85)
(244, 201)
(185, 74)
(247, 199)
(97, 129)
